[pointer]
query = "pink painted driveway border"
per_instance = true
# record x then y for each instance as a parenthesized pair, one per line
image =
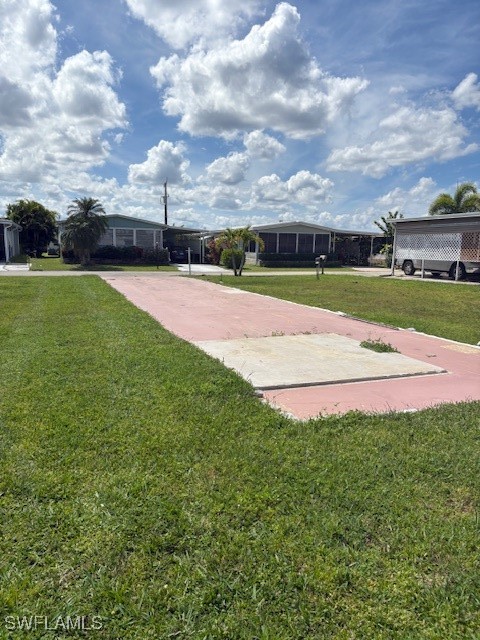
(197, 310)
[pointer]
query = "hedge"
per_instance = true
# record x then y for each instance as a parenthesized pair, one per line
(122, 255)
(277, 264)
(296, 260)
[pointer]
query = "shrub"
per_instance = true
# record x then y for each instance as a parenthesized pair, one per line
(295, 260)
(155, 256)
(122, 255)
(213, 252)
(226, 258)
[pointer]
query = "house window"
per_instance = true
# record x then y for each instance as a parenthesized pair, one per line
(305, 243)
(322, 242)
(145, 238)
(287, 243)
(106, 239)
(270, 240)
(124, 237)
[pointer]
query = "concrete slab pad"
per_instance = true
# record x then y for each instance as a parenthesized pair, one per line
(279, 362)
(191, 309)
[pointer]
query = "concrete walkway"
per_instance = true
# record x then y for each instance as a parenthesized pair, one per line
(14, 268)
(208, 314)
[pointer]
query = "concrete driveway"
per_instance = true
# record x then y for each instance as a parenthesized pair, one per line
(431, 370)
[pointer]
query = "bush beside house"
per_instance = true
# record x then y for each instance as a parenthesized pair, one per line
(295, 260)
(122, 255)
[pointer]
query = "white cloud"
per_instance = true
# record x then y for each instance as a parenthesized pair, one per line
(270, 189)
(408, 135)
(229, 170)
(82, 90)
(415, 199)
(182, 22)
(302, 188)
(467, 93)
(15, 104)
(266, 80)
(423, 188)
(260, 145)
(28, 38)
(165, 161)
(61, 116)
(232, 169)
(309, 187)
(224, 198)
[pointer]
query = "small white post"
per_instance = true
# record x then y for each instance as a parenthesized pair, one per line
(189, 253)
(394, 250)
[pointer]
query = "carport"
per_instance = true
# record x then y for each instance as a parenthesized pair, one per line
(9, 239)
(449, 243)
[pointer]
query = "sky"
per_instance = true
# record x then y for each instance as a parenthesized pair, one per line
(327, 111)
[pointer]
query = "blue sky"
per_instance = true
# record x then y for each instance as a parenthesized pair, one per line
(334, 112)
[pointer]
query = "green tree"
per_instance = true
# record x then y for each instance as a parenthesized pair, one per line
(237, 240)
(85, 225)
(466, 199)
(38, 224)
(385, 225)
(388, 229)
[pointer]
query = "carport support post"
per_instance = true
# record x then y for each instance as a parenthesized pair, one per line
(189, 253)
(457, 269)
(392, 273)
(423, 268)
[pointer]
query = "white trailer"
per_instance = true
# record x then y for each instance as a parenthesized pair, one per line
(448, 243)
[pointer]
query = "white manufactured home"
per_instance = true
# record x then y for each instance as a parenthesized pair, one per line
(438, 244)
(127, 231)
(9, 239)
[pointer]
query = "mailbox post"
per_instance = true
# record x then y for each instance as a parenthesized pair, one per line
(320, 264)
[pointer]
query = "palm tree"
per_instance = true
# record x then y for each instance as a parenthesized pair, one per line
(388, 229)
(385, 225)
(466, 199)
(84, 227)
(236, 240)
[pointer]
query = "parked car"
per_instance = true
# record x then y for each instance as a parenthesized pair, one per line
(178, 254)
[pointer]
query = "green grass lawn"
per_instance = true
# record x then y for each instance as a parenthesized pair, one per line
(52, 263)
(441, 309)
(254, 267)
(144, 483)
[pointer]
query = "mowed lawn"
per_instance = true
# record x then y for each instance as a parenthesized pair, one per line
(56, 264)
(144, 484)
(438, 308)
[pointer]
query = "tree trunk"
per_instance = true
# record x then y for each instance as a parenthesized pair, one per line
(242, 264)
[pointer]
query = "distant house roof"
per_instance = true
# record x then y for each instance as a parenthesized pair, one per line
(8, 222)
(283, 225)
(130, 221)
(279, 226)
(274, 227)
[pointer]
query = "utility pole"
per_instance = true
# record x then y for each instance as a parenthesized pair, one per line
(165, 196)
